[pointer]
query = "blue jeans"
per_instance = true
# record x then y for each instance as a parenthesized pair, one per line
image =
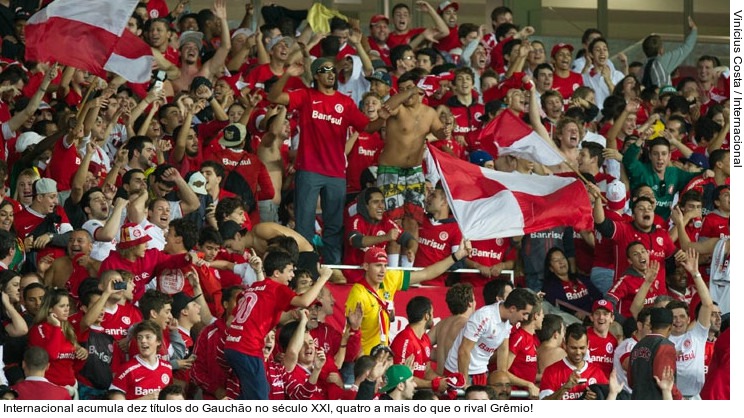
(251, 373)
(602, 279)
(332, 191)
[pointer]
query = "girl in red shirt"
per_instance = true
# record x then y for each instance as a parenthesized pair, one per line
(53, 333)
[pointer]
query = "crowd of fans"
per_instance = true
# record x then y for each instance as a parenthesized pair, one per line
(171, 240)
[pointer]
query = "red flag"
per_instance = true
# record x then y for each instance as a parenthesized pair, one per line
(493, 204)
(506, 134)
(89, 35)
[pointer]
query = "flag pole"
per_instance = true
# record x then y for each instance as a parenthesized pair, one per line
(581, 176)
(91, 87)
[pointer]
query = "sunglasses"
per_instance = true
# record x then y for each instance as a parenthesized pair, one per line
(325, 69)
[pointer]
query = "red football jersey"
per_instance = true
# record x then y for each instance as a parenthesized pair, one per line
(405, 344)
(324, 120)
(601, 350)
(558, 373)
(658, 243)
(136, 378)
(524, 347)
(61, 352)
(117, 321)
(63, 165)
(626, 288)
(566, 86)
(716, 226)
(366, 152)
(488, 253)
(395, 39)
(437, 240)
(258, 311)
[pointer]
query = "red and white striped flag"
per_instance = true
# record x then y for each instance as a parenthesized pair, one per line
(493, 204)
(89, 35)
(506, 134)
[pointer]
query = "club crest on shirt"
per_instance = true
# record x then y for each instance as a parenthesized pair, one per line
(339, 108)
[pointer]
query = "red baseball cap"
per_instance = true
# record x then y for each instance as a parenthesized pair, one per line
(602, 304)
(375, 255)
(377, 19)
(445, 4)
(557, 47)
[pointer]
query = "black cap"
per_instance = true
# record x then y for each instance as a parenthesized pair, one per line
(181, 301)
(661, 317)
(228, 229)
(200, 81)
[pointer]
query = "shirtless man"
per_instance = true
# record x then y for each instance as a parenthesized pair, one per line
(190, 45)
(461, 303)
(269, 152)
(400, 161)
(551, 342)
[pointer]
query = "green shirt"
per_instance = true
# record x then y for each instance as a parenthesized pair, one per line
(641, 174)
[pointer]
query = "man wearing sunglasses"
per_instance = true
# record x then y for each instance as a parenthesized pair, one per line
(324, 118)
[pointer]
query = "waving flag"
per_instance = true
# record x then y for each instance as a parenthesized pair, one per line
(89, 35)
(506, 134)
(493, 204)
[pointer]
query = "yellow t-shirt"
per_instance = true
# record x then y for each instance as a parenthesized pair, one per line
(371, 333)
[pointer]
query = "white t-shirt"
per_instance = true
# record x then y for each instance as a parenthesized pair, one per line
(101, 249)
(690, 348)
(623, 350)
(488, 330)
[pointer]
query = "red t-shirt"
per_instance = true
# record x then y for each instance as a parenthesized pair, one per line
(566, 86)
(358, 225)
(557, 374)
(524, 347)
(137, 378)
(258, 311)
(658, 243)
(407, 344)
(601, 350)
(366, 152)
(117, 321)
(63, 165)
(324, 120)
(384, 50)
(395, 39)
(449, 42)
(61, 352)
(258, 76)
(488, 253)
(605, 249)
(467, 123)
(716, 226)
(625, 289)
(437, 240)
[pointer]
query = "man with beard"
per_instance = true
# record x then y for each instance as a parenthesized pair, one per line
(414, 342)
(500, 383)
(190, 46)
(486, 334)
(324, 118)
(570, 378)
(379, 30)
(103, 221)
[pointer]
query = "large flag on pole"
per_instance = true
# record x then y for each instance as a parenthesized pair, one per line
(89, 35)
(493, 204)
(506, 134)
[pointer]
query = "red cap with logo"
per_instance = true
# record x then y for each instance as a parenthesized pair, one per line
(559, 46)
(601, 304)
(375, 255)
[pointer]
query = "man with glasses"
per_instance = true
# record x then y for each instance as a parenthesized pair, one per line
(324, 118)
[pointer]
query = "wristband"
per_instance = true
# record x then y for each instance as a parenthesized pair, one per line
(454, 258)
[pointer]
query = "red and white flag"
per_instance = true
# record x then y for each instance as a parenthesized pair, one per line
(506, 134)
(89, 35)
(493, 204)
